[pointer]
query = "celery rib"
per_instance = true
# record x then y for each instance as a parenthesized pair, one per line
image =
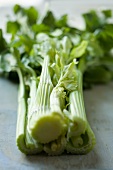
(56, 147)
(23, 141)
(87, 144)
(46, 122)
(81, 138)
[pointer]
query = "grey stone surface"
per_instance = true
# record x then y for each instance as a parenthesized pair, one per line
(99, 109)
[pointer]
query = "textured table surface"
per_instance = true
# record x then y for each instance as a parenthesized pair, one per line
(99, 109)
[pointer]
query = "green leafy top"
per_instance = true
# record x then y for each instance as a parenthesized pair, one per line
(32, 36)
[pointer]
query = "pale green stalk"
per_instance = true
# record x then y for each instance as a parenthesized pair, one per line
(23, 139)
(57, 103)
(82, 144)
(56, 147)
(46, 122)
(77, 114)
(81, 138)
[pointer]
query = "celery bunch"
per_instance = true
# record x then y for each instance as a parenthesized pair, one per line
(52, 62)
(51, 114)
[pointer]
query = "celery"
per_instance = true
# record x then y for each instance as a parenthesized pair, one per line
(56, 147)
(24, 142)
(77, 115)
(47, 58)
(46, 121)
(81, 138)
(81, 144)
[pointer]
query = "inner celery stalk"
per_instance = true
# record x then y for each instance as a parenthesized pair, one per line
(45, 120)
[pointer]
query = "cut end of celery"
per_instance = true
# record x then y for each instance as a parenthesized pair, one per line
(20, 142)
(56, 147)
(47, 128)
(83, 143)
(77, 126)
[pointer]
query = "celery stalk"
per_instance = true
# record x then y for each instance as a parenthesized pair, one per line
(46, 122)
(81, 138)
(23, 139)
(81, 144)
(56, 147)
(77, 115)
